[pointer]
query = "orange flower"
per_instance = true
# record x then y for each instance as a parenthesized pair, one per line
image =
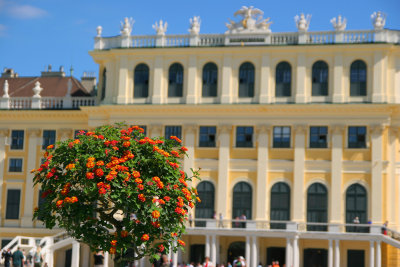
(176, 139)
(198, 199)
(91, 159)
(145, 237)
(89, 175)
(70, 166)
(113, 250)
(142, 197)
(50, 146)
(100, 163)
(113, 242)
(124, 233)
(167, 198)
(174, 234)
(90, 164)
(175, 154)
(161, 248)
(140, 186)
(59, 203)
(155, 214)
(126, 144)
(138, 181)
(136, 174)
(102, 191)
(99, 172)
(181, 243)
(33, 170)
(156, 179)
(74, 199)
(77, 141)
(184, 149)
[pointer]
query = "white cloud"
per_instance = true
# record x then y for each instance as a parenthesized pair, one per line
(26, 11)
(3, 29)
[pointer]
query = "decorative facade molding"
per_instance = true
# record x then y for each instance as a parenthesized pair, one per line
(34, 132)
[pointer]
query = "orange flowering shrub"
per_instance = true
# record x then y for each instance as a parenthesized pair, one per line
(115, 189)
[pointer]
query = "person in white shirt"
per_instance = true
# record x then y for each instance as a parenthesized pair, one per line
(207, 262)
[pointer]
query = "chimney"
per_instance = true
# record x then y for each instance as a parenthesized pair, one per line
(9, 73)
(88, 80)
(50, 73)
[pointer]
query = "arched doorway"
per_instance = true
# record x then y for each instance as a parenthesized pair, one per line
(205, 208)
(356, 206)
(236, 249)
(242, 203)
(280, 205)
(317, 207)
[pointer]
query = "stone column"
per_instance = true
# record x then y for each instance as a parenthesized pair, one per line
(156, 130)
(296, 254)
(288, 253)
(224, 134)
(376, 173)
(122, 83)
(208, 246)
(110, 82)
(396, 92)
(192, 92)
(142, 263)
(106, 259)
(226, 92)
(213, 254)
(378, 254)
(301, 96)
(378, 79)
(338, 93)
(158, 81)
(337, 253)
(265, 91)
(86, 254)
(371, 253)
(391, 175)
(34, 136)
(248, 251)
(189, 141)
(3, 135)
(254, 252)
(330, 254)
(218, 260)
(262, 205)
(298, 173)
(174, 258)
(336, 173)
(75, 253)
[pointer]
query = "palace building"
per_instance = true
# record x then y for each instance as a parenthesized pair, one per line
(296, 134)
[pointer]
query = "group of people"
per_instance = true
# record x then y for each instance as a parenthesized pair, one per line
(21, 259)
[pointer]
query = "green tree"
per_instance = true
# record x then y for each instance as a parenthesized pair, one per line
(117, 190)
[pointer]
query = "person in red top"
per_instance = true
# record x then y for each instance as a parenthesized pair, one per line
(207, 262)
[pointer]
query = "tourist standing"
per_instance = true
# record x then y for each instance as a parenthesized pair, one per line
(6, 255)
(17, 258)
(207, 262)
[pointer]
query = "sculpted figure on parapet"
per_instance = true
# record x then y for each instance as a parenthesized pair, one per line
(252, 21)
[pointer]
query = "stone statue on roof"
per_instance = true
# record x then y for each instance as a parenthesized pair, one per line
(252, 21)
(126, 26)
(160, 27)
(195, 25)
(338, 23)
(378, 20)
(302, 22)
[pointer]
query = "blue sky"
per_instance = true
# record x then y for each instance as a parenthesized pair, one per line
(35, 33)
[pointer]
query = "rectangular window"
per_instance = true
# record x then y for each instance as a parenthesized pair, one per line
(318, 137)
(207, 136)
(357, 137)
(40, 202)
(15, 165)
(173, 131)
(4, 242)
(13, 201)
(244, 136)
(281, 137)
(17, 139)
(49, 138)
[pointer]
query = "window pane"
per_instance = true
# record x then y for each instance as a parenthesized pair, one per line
(49, 138)
(17, 139)
(210, 79)
(15, 165)
(141, 81)
(175, 87)
(283, 79)
(173, 131)
(244, 136)
(207, 136)
(13, 202)
(320, 79)
(246, 80)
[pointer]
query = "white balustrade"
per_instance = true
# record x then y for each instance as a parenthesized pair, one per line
(50, 102)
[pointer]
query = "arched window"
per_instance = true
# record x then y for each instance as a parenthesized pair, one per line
(210, 80)
(246, 80)
(356, 206)
(141, 81)
(280, 205)
(241, 203)
(320, 79)
(317, 206)
(175, 86)
(205, 209)
(283, 79)
(103, 86)
(358, 78)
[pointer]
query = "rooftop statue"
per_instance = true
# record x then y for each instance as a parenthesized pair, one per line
(126, 26)
(160, 27)
(99, 29)
(339, 24)
(195, 25)
(302, 22)
(5, 89)
(378, 20)
(252, 21)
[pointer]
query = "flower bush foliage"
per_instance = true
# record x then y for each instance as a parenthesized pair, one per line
(115, 189)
